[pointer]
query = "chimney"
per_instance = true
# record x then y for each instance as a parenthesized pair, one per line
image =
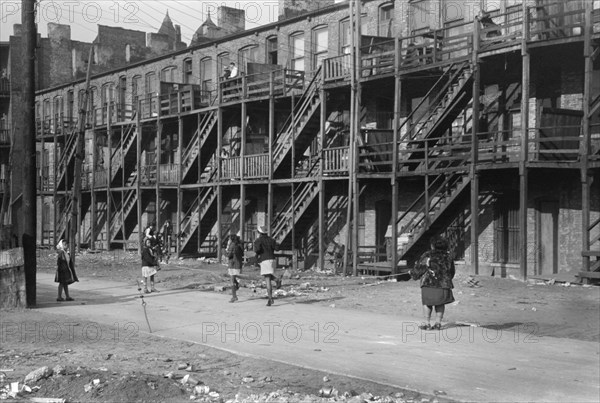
(231, 20)
(177, 34)
(292, 8)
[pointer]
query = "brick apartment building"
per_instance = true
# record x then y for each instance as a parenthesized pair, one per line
(475, 119)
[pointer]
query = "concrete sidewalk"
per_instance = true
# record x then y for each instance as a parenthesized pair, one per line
(467, 363)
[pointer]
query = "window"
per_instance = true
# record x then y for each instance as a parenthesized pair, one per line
(320, 45)
(272, 50)
(70, 106)
(346, 31)
(386, 20)
(58, 106)
(122, 90)
(188, 73)
(108, 94)
(506, 229)
(150, 84)
(297, 51)
(223, 61)
(249, 54)
(421, 15)
(135, 92)
(168, 74)
(206, 75)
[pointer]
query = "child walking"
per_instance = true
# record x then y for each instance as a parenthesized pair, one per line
(235, 253)
(149, 264)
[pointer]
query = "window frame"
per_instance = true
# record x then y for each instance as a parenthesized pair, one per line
(317, 55)
(390, 22)
(188, 70)
(269, 50)
(297, 58)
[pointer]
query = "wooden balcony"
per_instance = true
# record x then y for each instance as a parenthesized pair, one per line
(231, 168)
(256, 166)
(335, 161)
(180, 98)
(558, 20)
(260, 85)
(168, 174)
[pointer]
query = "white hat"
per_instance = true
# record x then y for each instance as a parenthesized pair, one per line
(262, 229)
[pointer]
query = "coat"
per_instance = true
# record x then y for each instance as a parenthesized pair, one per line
(435, 269)
(265, 248)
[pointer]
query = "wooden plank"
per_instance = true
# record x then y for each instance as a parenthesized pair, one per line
(589, 274)
(591, 253)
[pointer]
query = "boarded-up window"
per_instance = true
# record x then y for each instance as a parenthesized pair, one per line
(506, 229)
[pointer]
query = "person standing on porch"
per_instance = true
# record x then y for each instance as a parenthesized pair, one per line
(265, 248)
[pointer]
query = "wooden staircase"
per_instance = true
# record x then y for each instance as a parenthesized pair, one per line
(302, 120)
(191, 152)
(120, 153)
(292, 212)
(65, 216)
(451, 99)
(66, 158)
(443, 198)
(198, 209)
(120, 215)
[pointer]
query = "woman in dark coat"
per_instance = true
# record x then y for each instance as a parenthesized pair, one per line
(65, 270)
(436, 270)
(235, 253)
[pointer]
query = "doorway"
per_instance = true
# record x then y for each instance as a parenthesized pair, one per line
(547, 237)
(383, 217)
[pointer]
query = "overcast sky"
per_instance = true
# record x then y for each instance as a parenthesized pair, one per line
(147, 15)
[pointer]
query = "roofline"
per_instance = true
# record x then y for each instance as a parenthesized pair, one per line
(217, 41)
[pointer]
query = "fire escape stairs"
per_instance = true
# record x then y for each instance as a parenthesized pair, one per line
(191, 152)
(445, 107)
(66, 157)
(195, 214)
(122, 149)
(303, 119)
(295, 207)
(121, 214)
(65, 216)
(444, 193)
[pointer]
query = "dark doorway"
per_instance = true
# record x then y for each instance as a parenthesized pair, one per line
(383, 217)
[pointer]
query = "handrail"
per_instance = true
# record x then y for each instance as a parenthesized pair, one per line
(309, 90)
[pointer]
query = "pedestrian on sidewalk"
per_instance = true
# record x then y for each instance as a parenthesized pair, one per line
(149, 262)
(265, 248)
(235, 253)
(65, 270)
(436, 270)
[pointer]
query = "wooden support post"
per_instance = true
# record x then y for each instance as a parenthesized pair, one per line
(322, 216)
(29, 218)
(219, 173)
(357, 134)
(138, 155)
(523, 173)
(352, 134)
(177, 225)
(243, 164)
(396, 128)
(586, 140)
(269, 212)
(79, 155)
(475, 151)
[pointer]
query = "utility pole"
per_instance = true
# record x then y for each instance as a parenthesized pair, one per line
(29, 215)
(79, 154)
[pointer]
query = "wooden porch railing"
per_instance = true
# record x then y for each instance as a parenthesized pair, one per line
(335, 160)
(256, 166)
(168, 174)
(231, 167)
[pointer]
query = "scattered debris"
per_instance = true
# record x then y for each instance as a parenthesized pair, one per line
(40, 373)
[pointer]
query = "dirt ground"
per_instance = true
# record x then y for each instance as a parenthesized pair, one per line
(149, 368)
